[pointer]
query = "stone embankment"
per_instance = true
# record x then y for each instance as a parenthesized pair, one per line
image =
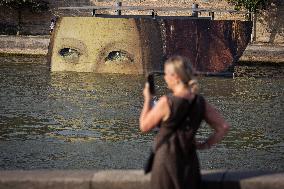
(133, 179)
(261, 52)
(258, 60)
(261, 60)
(24, 49)
(38, 45)
(29, 45)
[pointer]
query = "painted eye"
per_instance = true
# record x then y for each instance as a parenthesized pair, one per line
(120, 56)
(69, 53)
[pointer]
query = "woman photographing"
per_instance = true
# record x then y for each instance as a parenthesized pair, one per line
(179, 114)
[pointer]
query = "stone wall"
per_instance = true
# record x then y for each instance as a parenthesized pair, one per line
(263, 53)
(36, 23)
(269, 25)
(24, 44)
(133, 179)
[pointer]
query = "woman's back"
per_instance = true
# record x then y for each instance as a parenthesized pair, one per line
(176, 159)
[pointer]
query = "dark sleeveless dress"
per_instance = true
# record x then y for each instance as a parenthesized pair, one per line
(176, 164)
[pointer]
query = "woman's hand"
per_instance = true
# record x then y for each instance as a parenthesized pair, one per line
(146, 92)
(150, 118)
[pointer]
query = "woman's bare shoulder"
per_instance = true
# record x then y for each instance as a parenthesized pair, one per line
(163, 100)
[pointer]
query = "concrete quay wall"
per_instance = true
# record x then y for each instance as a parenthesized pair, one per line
(30, 45)
(129, 179)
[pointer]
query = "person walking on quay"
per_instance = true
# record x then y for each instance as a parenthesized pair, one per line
(179, 114)
(52, 25)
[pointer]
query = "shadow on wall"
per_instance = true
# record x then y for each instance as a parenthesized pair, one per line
(274, 19)
(138, 45)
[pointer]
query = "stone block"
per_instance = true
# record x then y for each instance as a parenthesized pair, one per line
(120, 179)
(45, 179)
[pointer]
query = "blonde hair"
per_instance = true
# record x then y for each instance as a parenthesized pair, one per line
(183, 68)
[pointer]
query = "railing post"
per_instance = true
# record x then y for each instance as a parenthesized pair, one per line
(254, 17)
(211, 14)
(154, 14)
(194, 12)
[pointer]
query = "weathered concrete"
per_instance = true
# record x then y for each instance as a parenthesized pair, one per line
(33, 23)
(133, 179)
(49, 179)
(270, 23)
(120, 179)
(24, 44)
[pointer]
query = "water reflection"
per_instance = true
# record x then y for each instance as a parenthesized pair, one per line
(102, 107)
(73, 120)
(22, 127)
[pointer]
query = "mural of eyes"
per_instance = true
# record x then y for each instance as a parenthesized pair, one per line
(70, 54)
(119, 57)
(105, 45)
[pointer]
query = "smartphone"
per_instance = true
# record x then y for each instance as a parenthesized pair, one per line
(151, 82)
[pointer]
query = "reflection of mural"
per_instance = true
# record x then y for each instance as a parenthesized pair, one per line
(139, 45)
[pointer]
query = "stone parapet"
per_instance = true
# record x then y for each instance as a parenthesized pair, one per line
(133, 179)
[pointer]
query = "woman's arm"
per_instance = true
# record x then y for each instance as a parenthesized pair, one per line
(217, 123)
(149, 118)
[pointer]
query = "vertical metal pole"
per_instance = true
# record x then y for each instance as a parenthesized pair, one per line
(118, 4)
(254, 26)
(194, 12)
(154, 14)
(212, 15)
(94, 13)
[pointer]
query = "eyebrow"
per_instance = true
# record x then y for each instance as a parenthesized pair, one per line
(73, 43)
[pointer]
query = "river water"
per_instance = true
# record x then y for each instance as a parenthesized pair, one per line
(90, 121)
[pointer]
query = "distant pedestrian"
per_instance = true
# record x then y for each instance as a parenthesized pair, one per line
(175, 164)
(52, 25)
